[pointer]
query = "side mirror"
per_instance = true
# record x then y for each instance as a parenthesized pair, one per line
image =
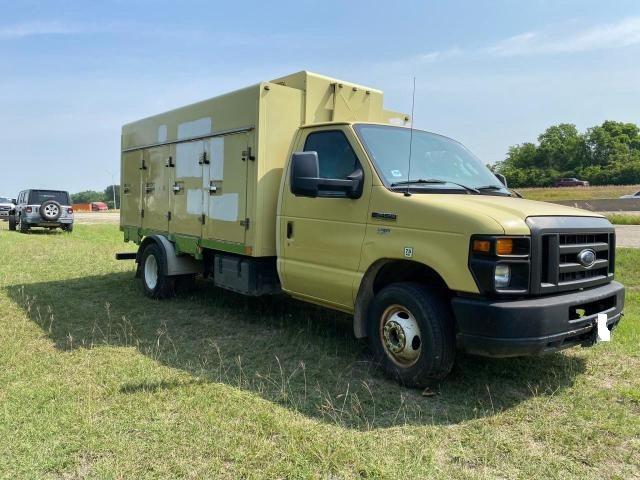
(502, 178)
(14, 201)
(306, 180)
(304, 174)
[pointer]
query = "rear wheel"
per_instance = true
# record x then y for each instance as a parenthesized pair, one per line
(68, 228)
(157, 284)
(411, 333)
(12, 222)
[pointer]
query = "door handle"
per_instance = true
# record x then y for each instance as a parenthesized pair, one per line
(289, 230)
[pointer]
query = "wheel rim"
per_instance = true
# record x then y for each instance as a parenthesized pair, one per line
(151, 272)
(400, 335)
(50, 210)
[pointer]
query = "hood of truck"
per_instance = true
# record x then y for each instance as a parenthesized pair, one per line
(510, 212)
(466, 214)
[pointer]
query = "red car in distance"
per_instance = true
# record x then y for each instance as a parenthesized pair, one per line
(570, 182)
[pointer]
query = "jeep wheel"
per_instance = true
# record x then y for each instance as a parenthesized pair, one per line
(12, 222)
(68, 228)
(156, 283)
(412, 334)
(24, 226)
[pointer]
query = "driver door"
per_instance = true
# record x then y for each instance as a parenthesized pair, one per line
(322, 236)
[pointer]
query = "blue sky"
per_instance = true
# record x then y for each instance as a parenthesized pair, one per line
(490, 74)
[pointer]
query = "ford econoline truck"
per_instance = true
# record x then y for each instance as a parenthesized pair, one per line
(306, 185)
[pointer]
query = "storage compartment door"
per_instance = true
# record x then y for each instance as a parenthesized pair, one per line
(131, 181)
(155, 192)
(226, 188)
(186, 194)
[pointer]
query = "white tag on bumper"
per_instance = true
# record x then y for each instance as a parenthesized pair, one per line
(604, 335)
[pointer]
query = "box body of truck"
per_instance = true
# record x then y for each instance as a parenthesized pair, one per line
(207, 175)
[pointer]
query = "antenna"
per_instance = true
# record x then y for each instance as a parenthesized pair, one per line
(413, 104)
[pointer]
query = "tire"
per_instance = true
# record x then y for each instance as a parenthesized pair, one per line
(12, 222)
(24, 226)
(411, 332)
(156, 283)
(68, 228)
(50, 210)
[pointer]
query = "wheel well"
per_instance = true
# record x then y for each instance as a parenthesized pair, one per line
(385, 272)
(406, 271)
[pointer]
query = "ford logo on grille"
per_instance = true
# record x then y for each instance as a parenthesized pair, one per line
(587, 258)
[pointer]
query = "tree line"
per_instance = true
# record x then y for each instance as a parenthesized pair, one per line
(604, 155)
(105, 196)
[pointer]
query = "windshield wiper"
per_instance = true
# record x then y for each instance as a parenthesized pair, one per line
(499, 187)
(434, 181)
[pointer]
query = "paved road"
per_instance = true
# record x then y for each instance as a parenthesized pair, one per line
(96, 217)
(628, 236)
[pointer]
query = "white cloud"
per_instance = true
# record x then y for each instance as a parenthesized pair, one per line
(621, 34)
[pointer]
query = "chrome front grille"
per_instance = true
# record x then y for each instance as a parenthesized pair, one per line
(557, 246)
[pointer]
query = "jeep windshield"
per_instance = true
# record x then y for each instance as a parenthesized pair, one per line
(438, 164)
(37, 197)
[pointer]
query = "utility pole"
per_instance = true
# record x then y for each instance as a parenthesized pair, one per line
(113, 189)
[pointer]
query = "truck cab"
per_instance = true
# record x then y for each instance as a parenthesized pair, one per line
(405, 229)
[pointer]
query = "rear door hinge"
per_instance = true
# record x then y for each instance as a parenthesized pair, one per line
(204, 159)
(245, 223)
(202, 219)
(142, 213)
(247, 154)
(169, 216)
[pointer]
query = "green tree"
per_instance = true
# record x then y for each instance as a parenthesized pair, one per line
(612, 140)
(87, 196)
(562, 148)
(108, 196)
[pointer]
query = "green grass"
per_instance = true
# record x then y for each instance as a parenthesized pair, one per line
(623, 219)
(98, 381)
(578, 193)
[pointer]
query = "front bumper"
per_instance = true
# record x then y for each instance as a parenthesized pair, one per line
(496, 328)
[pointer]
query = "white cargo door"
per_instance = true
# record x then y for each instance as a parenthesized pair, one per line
(225, 188)
(186, 195)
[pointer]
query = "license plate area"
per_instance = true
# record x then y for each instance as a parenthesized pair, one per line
(584, 310)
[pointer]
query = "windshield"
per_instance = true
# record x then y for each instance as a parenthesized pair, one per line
(37, 197)
(5, 200)
(433, 157)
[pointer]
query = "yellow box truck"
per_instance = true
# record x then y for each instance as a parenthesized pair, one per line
(306, 185)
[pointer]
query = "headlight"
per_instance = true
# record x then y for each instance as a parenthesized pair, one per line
(502, 276)
(500, 264)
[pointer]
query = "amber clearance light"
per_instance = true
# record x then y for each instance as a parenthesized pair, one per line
(481, 246)
(504, 246)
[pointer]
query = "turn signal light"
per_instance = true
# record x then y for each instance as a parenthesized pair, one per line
(504, 246)
(70, 210)
(481, 246)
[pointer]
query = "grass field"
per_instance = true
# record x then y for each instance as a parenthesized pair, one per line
(578, 193)
(98, 381)
(623, 218)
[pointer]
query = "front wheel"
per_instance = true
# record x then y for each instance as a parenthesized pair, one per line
(24, 226)
(411, 333)
(157, 284)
